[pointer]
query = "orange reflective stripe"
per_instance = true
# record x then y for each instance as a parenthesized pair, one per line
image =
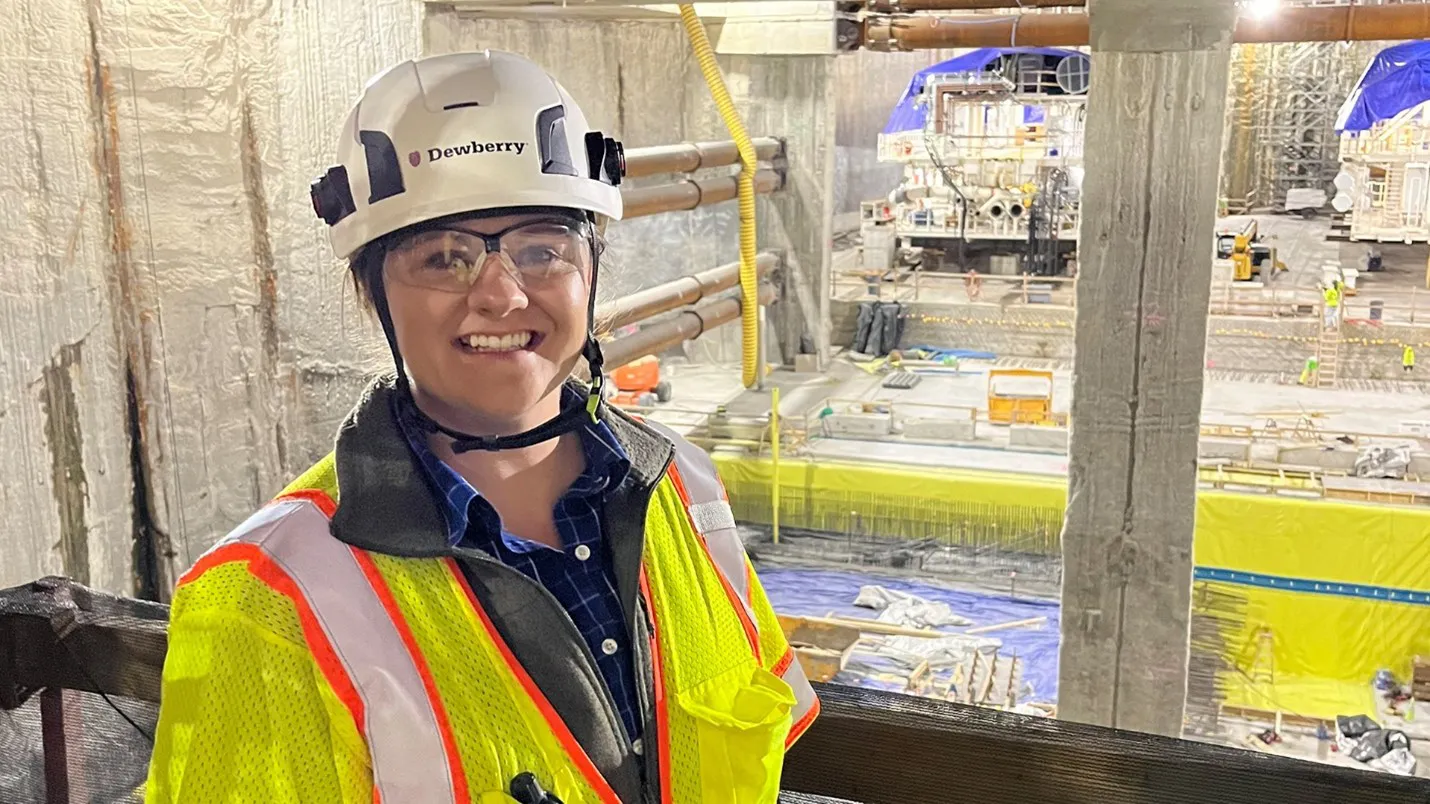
(262, 567)
(662, 715)
(353, 638)
(751, 633)
(449, 742)
(802, 725)
(783, 664)
(317, 497)
(558, 727)
(218, 555)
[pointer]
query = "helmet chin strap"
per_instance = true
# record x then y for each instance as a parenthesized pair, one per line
(570, 418)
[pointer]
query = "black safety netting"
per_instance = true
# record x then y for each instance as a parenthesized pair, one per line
(78, 741)
(79, 682)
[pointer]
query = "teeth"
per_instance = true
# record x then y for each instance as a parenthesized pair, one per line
(499, 343)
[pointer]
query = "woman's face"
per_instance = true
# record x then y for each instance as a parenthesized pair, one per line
(489, 337)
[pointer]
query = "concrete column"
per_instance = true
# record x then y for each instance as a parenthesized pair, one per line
(1155, 122)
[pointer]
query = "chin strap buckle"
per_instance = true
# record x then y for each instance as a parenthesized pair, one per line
(593, 397)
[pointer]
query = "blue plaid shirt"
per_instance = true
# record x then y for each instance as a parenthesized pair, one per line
(580, 576)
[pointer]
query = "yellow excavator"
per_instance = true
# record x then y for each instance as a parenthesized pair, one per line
(1249, 256)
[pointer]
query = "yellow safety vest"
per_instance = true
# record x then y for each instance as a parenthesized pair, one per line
(1333, 297)
(393, 667)
(1407, 358)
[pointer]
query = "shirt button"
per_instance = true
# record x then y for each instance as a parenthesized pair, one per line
(637, 747)
(609, 647)
(582, 552)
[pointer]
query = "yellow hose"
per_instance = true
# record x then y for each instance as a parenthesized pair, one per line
(749, 278)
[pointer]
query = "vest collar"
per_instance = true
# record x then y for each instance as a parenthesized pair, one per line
(384, 503)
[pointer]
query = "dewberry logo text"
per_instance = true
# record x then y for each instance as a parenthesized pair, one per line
(434, 154)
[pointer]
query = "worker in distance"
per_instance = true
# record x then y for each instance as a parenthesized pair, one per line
(495, 588)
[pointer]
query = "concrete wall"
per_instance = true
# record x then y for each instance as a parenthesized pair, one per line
(1374, 352)
(1234, 344)
(1260, 345)
(869, 84)
(157, 234)
(1022, 331)
(65, 480)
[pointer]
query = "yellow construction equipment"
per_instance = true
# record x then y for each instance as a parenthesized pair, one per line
(1025, 396)
(1241, 243)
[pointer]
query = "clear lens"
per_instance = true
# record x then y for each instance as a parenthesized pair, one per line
(453, 259)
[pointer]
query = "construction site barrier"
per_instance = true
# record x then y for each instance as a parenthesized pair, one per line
(60, 644)
(886, 748)
(949, 287)
(1328, 592)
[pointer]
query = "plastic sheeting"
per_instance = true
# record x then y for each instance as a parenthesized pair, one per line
(879, 328)
(939, 353)
(1397, 79)
(911, 611)
(816, 593)
(1344, 588)
(910, 115)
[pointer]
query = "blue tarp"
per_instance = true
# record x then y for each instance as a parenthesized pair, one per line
(1397, 79)
(815, 593)
(910, 116)
(939, 353)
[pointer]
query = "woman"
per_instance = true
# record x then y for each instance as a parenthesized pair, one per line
(495, 588)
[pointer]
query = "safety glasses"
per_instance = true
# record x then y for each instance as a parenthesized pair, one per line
(448, 259)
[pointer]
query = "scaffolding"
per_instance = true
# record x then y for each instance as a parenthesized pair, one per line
(1281, 119)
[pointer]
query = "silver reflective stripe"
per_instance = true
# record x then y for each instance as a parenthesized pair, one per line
(712, 516)
(804, 698)
(409, 762)
(710, 511)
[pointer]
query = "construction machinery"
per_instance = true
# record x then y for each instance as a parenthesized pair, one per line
(1250, 257)
(991, 146)
(638, 384)
(1020, 396)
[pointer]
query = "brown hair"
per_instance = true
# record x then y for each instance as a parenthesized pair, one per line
(366, 269)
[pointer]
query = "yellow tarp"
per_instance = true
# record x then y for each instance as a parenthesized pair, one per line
(1328, 540)
(1324, 647)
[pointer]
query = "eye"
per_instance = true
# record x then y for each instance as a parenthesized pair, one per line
(447, 260)
(538, 254)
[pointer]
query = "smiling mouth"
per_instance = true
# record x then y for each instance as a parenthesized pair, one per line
(498, 344)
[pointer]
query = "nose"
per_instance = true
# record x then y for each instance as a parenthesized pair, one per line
(495, 293)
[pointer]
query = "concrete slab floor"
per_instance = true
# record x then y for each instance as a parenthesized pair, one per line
(1233, 402)
(700, 389)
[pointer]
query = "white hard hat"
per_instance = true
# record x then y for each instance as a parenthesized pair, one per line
(459, 133)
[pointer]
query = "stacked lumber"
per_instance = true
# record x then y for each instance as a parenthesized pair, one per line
(1420, 679)
(986, 677)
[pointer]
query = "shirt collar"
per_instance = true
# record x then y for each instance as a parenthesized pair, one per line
(607, 466)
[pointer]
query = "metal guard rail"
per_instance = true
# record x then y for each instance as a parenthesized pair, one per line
(867, 747)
